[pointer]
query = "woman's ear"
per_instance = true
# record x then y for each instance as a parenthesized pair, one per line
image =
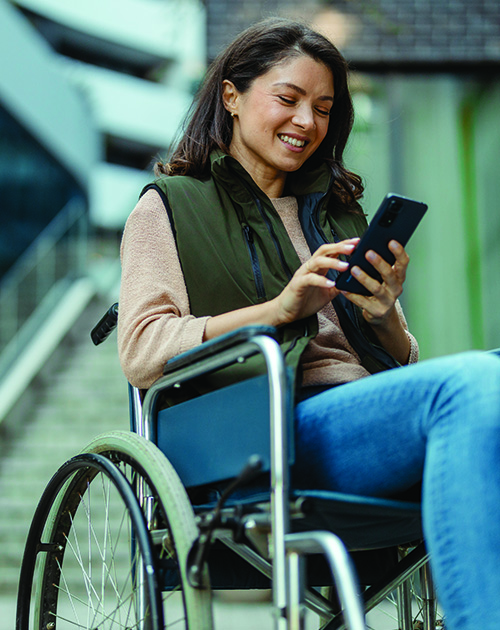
(230, 96)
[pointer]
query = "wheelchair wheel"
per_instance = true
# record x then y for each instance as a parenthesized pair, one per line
(108, 524)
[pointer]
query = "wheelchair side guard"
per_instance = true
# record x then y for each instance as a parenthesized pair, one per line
(208, 438)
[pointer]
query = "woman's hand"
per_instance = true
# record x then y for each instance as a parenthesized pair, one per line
(309, 289)
(378, 307)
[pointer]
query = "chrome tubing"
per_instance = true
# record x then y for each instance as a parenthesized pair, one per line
(342, 569)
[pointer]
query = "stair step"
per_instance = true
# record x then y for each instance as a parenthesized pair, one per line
(87, 397)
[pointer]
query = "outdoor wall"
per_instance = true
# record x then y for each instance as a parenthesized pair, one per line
(486, 155)
(436, 138)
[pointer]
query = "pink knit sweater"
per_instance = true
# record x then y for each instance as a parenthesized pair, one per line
(155, 323)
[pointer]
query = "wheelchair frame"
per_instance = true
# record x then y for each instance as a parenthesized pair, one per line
(286, 565)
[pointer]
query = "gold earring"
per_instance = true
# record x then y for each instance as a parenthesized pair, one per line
(232, 114)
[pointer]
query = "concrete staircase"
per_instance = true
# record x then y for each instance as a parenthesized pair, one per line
(84, 396)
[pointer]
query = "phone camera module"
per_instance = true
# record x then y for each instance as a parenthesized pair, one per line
(391, 213)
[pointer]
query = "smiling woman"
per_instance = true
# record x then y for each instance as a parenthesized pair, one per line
(281, 120)
(250, 222)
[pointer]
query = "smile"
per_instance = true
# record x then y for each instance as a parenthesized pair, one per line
(293, 141)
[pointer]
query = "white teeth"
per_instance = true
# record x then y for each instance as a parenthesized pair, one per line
(293, 141)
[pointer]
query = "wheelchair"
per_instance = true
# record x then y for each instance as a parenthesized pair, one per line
(138, 529)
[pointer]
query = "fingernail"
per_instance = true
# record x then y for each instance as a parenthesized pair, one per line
(330, 283)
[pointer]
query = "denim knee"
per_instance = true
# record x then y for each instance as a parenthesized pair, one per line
(468, 388)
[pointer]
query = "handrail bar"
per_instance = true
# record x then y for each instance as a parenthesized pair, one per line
(41, 275)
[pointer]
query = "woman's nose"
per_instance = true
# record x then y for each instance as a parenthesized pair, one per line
(304, 118)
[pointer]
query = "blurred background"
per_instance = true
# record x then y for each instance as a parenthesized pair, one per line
(92, 93)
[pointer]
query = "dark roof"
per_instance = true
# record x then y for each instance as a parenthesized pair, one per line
(427, 35)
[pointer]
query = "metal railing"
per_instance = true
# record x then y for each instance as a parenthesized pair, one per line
(36, 282)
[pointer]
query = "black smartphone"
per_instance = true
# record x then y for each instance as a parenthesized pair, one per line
(396, 219)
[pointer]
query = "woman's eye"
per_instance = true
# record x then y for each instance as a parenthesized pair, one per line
(323, 112)
(288, 101)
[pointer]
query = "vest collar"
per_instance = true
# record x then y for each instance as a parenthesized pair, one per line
(309, 179)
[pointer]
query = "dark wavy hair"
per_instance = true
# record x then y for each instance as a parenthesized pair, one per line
(253, 53)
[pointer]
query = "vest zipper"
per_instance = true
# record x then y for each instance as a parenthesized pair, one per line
(317, 223)
(276, 242)
(257, 273)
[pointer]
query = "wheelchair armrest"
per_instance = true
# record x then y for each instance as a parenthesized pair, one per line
(217, 345)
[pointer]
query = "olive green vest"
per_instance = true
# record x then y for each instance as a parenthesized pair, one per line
(233, 247)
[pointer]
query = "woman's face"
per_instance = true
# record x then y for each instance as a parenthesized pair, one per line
(281, 120)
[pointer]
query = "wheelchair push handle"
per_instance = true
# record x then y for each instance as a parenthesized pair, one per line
(105, 325)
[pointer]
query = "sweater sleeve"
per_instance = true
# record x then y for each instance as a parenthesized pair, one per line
(154, 322)
(414, 350)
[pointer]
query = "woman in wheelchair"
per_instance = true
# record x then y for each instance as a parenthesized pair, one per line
(249, 222)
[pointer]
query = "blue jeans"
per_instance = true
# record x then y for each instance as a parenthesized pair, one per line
(438, 421)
